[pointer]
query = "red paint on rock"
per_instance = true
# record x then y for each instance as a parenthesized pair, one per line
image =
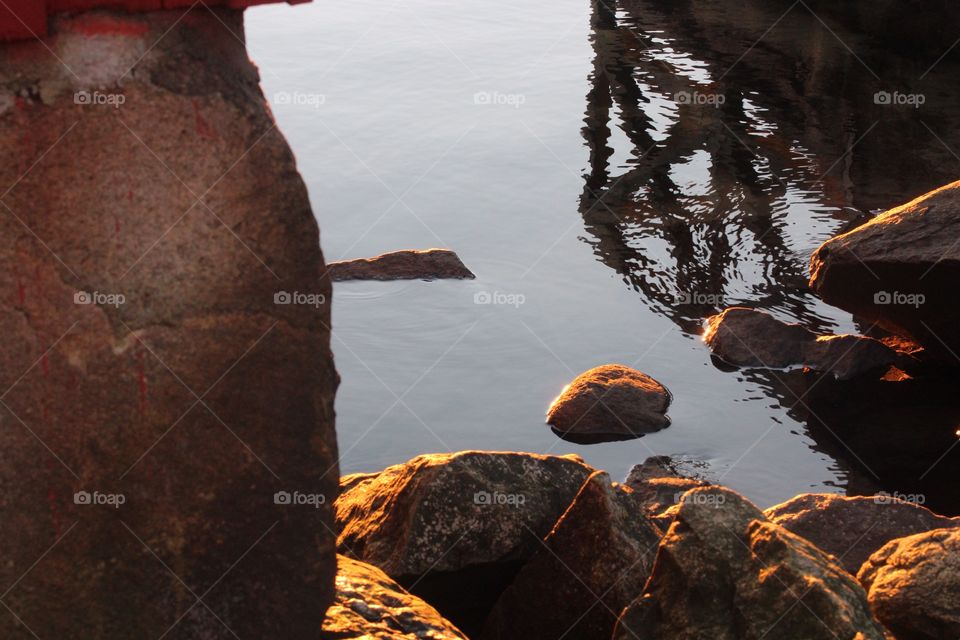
(25, 19)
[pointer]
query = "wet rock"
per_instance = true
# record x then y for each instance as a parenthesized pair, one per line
(426, 264)
(853, 528)
(660, 482)
(151, 218)
(455, 528)
(724, 572)
(900, 270)
(913, 584)
(746, 337)
(370, 605)
(592, 564)
(610, 402)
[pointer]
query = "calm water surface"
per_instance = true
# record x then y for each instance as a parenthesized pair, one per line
(573, 158)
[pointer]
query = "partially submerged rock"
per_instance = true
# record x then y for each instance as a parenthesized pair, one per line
(369, 605)
(592, 564)
(459, 525)
(724, 572)
(853, 528)
(425, 264)
(900, 270)
(746, 337)
(913, 584)
(660, 482)
(610, 402)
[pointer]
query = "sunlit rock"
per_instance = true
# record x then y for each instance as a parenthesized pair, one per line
(592, 564)
(853, 528)
(724, 572)
(900, 270)
(745, 337)
(913, 584)
(610, 402)
(426, 264)
(455, 527)
(371, 606)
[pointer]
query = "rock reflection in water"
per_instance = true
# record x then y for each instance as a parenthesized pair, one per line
(748, 145)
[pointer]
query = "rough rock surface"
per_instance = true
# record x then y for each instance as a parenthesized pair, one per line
(593, 563)
(426, 264)
(724, 572)
(913, 584)
(142, 438)
(457, 525)
(853, 528)
(610, 402)
(749, 338)
(900, 270)
(370, 605)
(660, 482)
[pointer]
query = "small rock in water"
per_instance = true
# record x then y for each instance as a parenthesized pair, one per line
(425, 264)
(913, 584)
(746, 337)
(607, 403)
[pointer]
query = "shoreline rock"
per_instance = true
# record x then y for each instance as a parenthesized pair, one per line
(744, 337)
(607, 403)
(852, 528)
(371, 606)
(900, 270)
(423, 264)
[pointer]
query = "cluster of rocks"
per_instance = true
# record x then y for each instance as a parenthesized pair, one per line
(896, 272)
(515, 545)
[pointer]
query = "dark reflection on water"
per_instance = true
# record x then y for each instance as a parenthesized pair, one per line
(797, 127)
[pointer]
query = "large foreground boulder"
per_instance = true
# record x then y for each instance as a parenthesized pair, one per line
(724, 572)
(900, 270)
(853, 528)
(592, 564)
(913, 584)
(745, 337)
(169, 456)
(455, 528)
(609, 402)
(371, 606)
